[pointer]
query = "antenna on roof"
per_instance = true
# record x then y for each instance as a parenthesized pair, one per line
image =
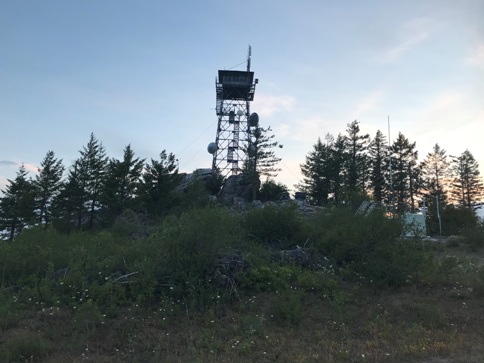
(248, 59)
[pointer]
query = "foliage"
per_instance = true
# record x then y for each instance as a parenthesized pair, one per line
(17, 205)
(467, 187)
(405, 173)
(356, 157)
(316, 181)
(368, 246)
(378, 172)
(272, 191)
(457, 219)
(159, 181)
(47, 183)
(121, 185)
(275, 226)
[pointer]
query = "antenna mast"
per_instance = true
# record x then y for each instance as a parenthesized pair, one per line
(390, 161)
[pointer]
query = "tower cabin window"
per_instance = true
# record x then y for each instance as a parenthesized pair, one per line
(235, 79)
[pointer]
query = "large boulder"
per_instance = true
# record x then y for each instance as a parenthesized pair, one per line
(236, 188)
(204, 175)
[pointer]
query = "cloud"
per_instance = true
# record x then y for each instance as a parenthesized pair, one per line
(368, 104)
(267, 105)
(410, 35)
(477, 56)
(31, 167)
(7, 162)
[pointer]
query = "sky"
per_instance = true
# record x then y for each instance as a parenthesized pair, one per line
(143, 73)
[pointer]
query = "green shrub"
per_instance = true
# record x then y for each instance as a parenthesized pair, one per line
(275, 226)
(474, 236)
(194, 247)
(25, 348)
(368, 246)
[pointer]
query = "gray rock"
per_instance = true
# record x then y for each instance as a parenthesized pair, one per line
(236, 188)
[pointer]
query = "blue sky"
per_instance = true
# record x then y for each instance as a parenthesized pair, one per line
(143, 73)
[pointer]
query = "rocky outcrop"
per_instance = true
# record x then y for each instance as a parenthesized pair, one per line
(204, 175)
(236, 189)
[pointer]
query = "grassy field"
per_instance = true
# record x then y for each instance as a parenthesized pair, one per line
(278, 312)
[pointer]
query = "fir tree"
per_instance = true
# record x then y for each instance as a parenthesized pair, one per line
(122, 184)
(356, 147)
(316, 176)
(378, 150)
(159, 182)
(262, 160)
(467, 186)
(435, 168)
(17, 205)
(47, 183)
(405, 173)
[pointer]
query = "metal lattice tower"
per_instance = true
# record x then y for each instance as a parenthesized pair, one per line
(235, 90)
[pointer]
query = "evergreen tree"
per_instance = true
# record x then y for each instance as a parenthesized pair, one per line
(262, 160)
(92, 163)
(378, 150)
(338, 174)
(121, 185)
(405, 173)
(356, 148)
(17, 205)
(68, 206)
(467, 186)
(80, 195)
(159, 182)
(47, 183)
(434, 171)
(316, 177)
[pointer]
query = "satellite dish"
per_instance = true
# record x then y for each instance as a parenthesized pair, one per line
(253, 119)
(240, 112)
(212, 148)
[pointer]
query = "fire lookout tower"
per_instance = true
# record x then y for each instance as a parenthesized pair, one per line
(235, 90)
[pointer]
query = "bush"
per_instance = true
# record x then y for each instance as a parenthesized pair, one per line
(194, 247)
(474, 236)
(368, 246)
(275, 226)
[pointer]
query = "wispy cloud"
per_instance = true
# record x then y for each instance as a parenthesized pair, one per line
(368, 104)
(8, 162)
(409, 36)
(477, 56)
(31, 167)
(267, 105)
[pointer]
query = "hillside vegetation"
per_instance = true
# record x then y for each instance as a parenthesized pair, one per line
(264, 285)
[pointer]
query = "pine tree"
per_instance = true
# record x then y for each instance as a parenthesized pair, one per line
(316, 177)
(467, 187)
(159, 182)
(262, 160)
(92, 162)
(356, 148)
(17, 205)
(378, 150)
(80, 194)
(337, 171)
(68, 206)
(47, 183)
(435, 168)
(405, 173)
(121, 185)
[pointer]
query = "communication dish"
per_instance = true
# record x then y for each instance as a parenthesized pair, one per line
(253, 119)
(212, 148)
